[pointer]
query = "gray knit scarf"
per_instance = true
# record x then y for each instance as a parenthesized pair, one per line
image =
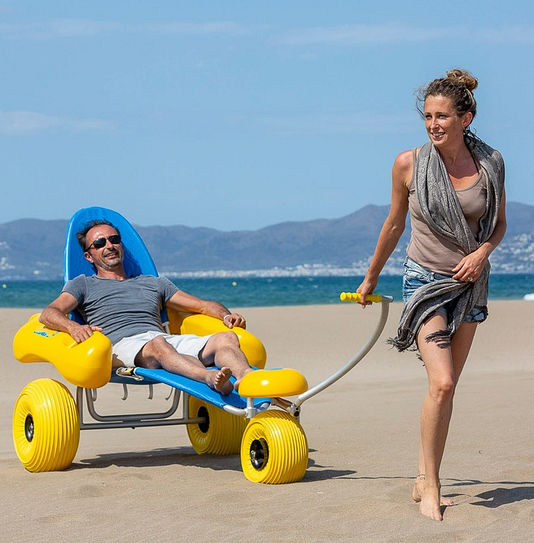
(442, 212)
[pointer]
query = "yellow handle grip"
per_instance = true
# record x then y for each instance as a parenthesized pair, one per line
(356, 297)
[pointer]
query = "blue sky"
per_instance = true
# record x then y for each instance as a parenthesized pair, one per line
(238, 115)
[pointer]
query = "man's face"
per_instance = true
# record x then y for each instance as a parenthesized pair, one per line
(110, 256)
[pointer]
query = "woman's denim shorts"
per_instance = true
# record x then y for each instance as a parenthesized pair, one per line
(416, 276)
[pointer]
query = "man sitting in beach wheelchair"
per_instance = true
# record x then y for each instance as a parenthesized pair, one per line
(116, 319)
(127, 309)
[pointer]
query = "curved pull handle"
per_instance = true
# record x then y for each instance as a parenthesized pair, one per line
(356, 297)
(351, 296)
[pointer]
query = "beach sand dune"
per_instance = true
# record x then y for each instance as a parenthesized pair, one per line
(149, 485)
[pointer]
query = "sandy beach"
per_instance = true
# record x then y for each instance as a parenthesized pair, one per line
(149, 484)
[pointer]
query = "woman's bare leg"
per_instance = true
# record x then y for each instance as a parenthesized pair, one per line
(444, 361)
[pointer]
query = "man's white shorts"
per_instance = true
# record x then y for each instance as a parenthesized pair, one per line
(125, 351)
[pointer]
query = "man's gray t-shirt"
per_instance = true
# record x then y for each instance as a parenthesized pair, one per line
(122, 308)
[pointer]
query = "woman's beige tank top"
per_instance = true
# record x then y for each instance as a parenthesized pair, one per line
(431, 250)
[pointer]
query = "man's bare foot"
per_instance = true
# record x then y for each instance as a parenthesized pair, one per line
(236, 384)
(417, 493)
(221, 380)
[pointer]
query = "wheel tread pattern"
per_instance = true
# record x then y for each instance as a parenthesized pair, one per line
(56, 426)
(224, 433)
(288, 448)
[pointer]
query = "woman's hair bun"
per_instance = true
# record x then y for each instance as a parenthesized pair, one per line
(464, 78)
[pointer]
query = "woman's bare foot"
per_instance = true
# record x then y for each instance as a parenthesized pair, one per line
(220, 380)
(417, 492)
(430, 503)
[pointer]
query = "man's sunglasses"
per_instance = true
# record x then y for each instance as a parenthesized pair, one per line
(115, 239)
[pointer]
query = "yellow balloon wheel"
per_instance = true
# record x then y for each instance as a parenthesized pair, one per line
(274, 449)
(221, 432)
(46, 426)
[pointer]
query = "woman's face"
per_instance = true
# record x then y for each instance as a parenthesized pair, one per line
(443, 125)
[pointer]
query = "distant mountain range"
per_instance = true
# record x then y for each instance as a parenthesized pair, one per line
(33, 249)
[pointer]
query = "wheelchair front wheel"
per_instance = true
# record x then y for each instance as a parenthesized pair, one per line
(274, 449)
(46, 426)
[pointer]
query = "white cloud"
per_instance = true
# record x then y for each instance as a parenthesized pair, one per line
(221, 27)
(360, 34)
(345, 35)
(18, 123)
(510, 35)
(59, 28)
(68, 28)
(330, 123)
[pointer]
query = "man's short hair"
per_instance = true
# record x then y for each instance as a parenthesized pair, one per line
(81, 236)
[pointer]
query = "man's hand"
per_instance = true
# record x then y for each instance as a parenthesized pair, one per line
(235, 319)
(81, 332)
(55, 317)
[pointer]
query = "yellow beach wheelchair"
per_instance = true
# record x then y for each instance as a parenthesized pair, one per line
(258, 422)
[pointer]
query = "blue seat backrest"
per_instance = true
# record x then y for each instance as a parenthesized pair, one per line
(137, 259)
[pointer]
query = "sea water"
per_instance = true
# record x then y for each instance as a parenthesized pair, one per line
(264, 291)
